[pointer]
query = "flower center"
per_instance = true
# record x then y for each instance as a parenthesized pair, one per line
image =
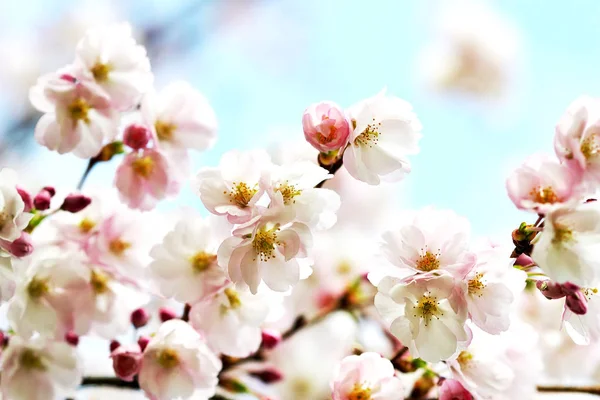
(464, 359)
(99, 281)
(168, 358)
(428, 262)
(118, 246)
(241, 194)
(288, 192)
(326, 125)
(143, 166)
(589, 147)
(562, 234)
(164, 130)
(427, 308)
(101, 71)
(86, 225)
(264, 242)
(37, 287)
(233, 297)
(4, 218)
(78, 110)
(544, 195)
(344, 268)
(30, 359)
(476, 285)
(202, 260)
(589, 292)
(370, 136)
(360, 392)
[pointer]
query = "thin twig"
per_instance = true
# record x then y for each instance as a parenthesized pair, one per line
(570, 389)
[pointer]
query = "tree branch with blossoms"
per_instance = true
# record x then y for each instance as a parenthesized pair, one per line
(280, 298)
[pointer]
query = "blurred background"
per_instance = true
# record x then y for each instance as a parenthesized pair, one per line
(488, 80)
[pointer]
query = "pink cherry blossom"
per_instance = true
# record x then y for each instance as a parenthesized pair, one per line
(368, 376)
(425, 313)
(325, 126)
(452, 389)
(77, 118)
(127, 361)
(178, 364)
(110, 59)
(433, 240)
(266, 252)
(542, 183)
(143, 179)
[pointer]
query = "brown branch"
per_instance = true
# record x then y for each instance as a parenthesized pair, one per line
(570, 389)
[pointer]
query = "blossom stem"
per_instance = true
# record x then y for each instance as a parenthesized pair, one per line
(570, 389)
(87, 171)
(332, 168)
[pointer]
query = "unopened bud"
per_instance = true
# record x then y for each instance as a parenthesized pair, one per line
(72, 338)
(136, 136)
(166, 314)
(270, 338)
(143, 342)
(75, 202)
(270, 375)
(139, 318)
(524, 260)
(26, 197)
(22, 246)
(114, 344)
(570, 288)
(325, 126)
(451, 389)
(551, 290)
(127, 362)
(42, 200)
(50, 189)
(577, 303)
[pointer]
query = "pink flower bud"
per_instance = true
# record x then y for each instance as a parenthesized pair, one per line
(127, 362)
(577, 303)
(325, 126)
(165, 314)
(143, 342)
(50, 190)
(22, 246)
(75, 202)
(270, 338)
(114, 344)
(269, 375)
(452, 389)
(26, 197)
(551, 290)
(72, 338)
(136, 136)
(139, 318)
(570, 288)
(42, 200)
(523, 260)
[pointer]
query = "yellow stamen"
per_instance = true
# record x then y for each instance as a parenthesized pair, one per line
(370, 136)
(476, 285)
(428, 262)
(464, 358)
(202, 260)
(101, 71)
(360, 392)
(86, 225)
(30, 359)
(241, 194)
(265, 241)
(561, 234)
(164, 130)
(118, 246)
(427, 308)
(37, 287)
(288, 192)
(233, 297)
(168, 358)
(99, 281)
(544, 195)
(143, 166)
(78, 110)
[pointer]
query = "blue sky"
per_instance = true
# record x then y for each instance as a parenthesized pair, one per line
(284, 55)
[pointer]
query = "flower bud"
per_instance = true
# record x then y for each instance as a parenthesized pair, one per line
(523, 260)
(136, 136)
(114, 344)
(127, 362)
(577, 303)
(139, 318)
(72, 338)
(451, 389)
(26, 197)
(269, 375)
(50, 190)
(551, 290)
(42, 200)
(143, 342)
(22, 246)
(570, 288)
(75, 202)
(325, 126)
(165, 314)
(270, 338)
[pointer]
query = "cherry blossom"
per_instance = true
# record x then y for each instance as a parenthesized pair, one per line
(185, 265)
(110, 58)
(542, 183)
(424, 314)
(567, 248)
(78, 118)
(368, 376)
(452, 389)
(13, 218)
(234, 188)
(266, 252)
(38, 369)
(325, 126)
(433, 240)
(231, 321)
(178, 364)
(584, 329)
(384, 132)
